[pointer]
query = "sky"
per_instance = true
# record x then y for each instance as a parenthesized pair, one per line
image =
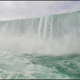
(30, 9)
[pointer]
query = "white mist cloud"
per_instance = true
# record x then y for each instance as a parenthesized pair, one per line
(30, 9)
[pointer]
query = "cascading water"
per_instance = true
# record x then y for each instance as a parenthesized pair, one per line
(41, 48)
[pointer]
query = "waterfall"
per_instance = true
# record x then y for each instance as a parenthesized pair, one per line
(46, 27)
(54, 32)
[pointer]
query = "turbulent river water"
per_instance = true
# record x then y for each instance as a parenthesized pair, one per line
(41, 48)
